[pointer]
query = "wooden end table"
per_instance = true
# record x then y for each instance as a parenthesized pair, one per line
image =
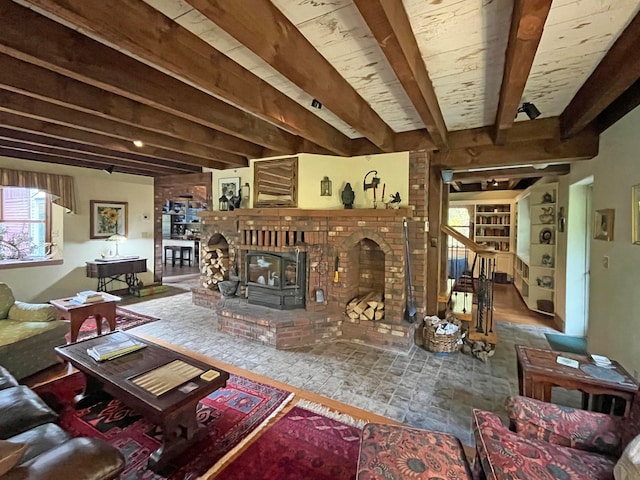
(174, 411)
(77, 313)
(538, 372)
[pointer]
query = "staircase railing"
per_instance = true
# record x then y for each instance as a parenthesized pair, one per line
(473, 282)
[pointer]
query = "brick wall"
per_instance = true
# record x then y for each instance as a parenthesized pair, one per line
(368, 243)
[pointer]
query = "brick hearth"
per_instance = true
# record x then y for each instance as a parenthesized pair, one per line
(370, 247)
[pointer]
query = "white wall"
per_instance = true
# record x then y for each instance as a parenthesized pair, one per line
(55, 281)
(614, 306)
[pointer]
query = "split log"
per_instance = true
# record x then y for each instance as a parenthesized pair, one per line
(379, 315)
(370, 313)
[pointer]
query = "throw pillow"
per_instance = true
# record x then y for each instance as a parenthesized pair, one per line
(628, 466)
(10, 455)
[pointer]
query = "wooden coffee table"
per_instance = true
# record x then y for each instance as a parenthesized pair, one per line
(538, 372)
(77, 313)
(174, 411)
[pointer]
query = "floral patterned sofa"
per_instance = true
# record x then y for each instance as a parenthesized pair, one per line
(549, 442)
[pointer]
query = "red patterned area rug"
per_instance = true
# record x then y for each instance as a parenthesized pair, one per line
(125, 319)
(304, 444)
(232, 415)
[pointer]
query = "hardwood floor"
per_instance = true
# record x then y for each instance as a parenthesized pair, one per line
(509, 307)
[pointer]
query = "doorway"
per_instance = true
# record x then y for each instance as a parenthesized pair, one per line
(578, 257)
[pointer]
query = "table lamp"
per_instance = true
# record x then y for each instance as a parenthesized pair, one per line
(117, 238)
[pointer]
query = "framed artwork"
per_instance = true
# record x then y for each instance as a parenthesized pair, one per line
(635, 214)
(603, 224)
(228, 187)
(108, 218)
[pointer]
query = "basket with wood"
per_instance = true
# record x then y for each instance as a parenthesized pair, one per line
(442, 336)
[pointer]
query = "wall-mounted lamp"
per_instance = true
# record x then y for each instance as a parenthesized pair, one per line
(494, 183)
(530, 109)
(325, 187)
(316, 104)
(109, 169)
(447, 175)
(375, 181)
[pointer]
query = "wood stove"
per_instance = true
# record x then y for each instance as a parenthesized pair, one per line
(276, 280)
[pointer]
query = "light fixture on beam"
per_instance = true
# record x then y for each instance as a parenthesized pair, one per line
(138, 143)
(530, 109)
(316, 104)
(109, 169)
(447, 175)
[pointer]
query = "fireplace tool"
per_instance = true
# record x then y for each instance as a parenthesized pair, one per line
(411, 308)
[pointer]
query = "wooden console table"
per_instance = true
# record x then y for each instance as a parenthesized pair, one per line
(108, 271)
(538, 372)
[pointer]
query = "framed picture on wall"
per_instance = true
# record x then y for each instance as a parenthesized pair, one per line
(228, 187)
(603, 224)
(635, 214)
(108, 218)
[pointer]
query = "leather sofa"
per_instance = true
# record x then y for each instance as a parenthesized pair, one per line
(33, 447)
(547, 442)
(28, 333)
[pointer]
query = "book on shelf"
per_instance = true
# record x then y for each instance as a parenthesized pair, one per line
(110, 351)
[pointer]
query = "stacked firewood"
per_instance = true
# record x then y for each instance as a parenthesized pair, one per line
(479, 349)
(366, 307)
(215, 263)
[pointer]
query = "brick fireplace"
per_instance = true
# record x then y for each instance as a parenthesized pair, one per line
(367, 245)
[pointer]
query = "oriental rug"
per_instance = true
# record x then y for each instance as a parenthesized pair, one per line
(304, 444)
(231, 415)
(125, 319)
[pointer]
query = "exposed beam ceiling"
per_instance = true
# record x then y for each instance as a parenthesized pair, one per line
(511, 173)
(215, 83)
(527, 25)
(389, 23)
(617, 71)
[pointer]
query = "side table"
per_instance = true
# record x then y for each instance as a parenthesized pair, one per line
(77, 313)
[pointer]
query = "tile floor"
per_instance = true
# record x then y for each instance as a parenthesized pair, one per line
(421, 389)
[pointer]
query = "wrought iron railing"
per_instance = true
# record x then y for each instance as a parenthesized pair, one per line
(473, 282)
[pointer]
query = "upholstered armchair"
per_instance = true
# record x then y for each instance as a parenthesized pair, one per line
(28, 333)
(548, 441)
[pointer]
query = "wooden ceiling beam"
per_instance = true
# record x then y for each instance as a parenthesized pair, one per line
(19, 122)
(512, 173)
(65, 51)
(25, 154)
(626, 102)
(108, 156)
(264, 30)
(38, 82)
(97, 160)
(527, 24)
(512, 184)
(542, 129)
(389, 23)
(580, 147)
(187, 56)
(33, 108)
(616, 72)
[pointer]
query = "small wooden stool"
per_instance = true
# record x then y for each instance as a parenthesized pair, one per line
(396, 451)
(184, 254)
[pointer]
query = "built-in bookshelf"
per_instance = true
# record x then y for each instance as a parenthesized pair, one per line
(535, 270)
(493, 226)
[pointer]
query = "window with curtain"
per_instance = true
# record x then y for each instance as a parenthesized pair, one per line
(25, 223)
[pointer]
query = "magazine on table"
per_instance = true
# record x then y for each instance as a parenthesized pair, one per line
(110, 351)
(88, 296)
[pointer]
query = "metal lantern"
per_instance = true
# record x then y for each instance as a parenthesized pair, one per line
(223, 203)
(325, 187)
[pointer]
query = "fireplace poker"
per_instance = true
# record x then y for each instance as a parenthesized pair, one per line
(336, 275)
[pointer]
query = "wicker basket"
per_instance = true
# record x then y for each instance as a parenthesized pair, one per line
(443, 343)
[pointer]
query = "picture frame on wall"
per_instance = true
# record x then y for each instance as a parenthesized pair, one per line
(635, 214)
(228, 186)
(603, 224)
(108, 218)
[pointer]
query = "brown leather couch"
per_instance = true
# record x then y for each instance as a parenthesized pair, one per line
(47, 451)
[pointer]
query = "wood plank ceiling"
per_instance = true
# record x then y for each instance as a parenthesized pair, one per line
(213, 83)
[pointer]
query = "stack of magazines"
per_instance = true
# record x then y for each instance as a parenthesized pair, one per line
(88, 296)
(113, 350)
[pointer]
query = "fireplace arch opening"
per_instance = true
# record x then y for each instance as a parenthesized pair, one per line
(217, 261)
